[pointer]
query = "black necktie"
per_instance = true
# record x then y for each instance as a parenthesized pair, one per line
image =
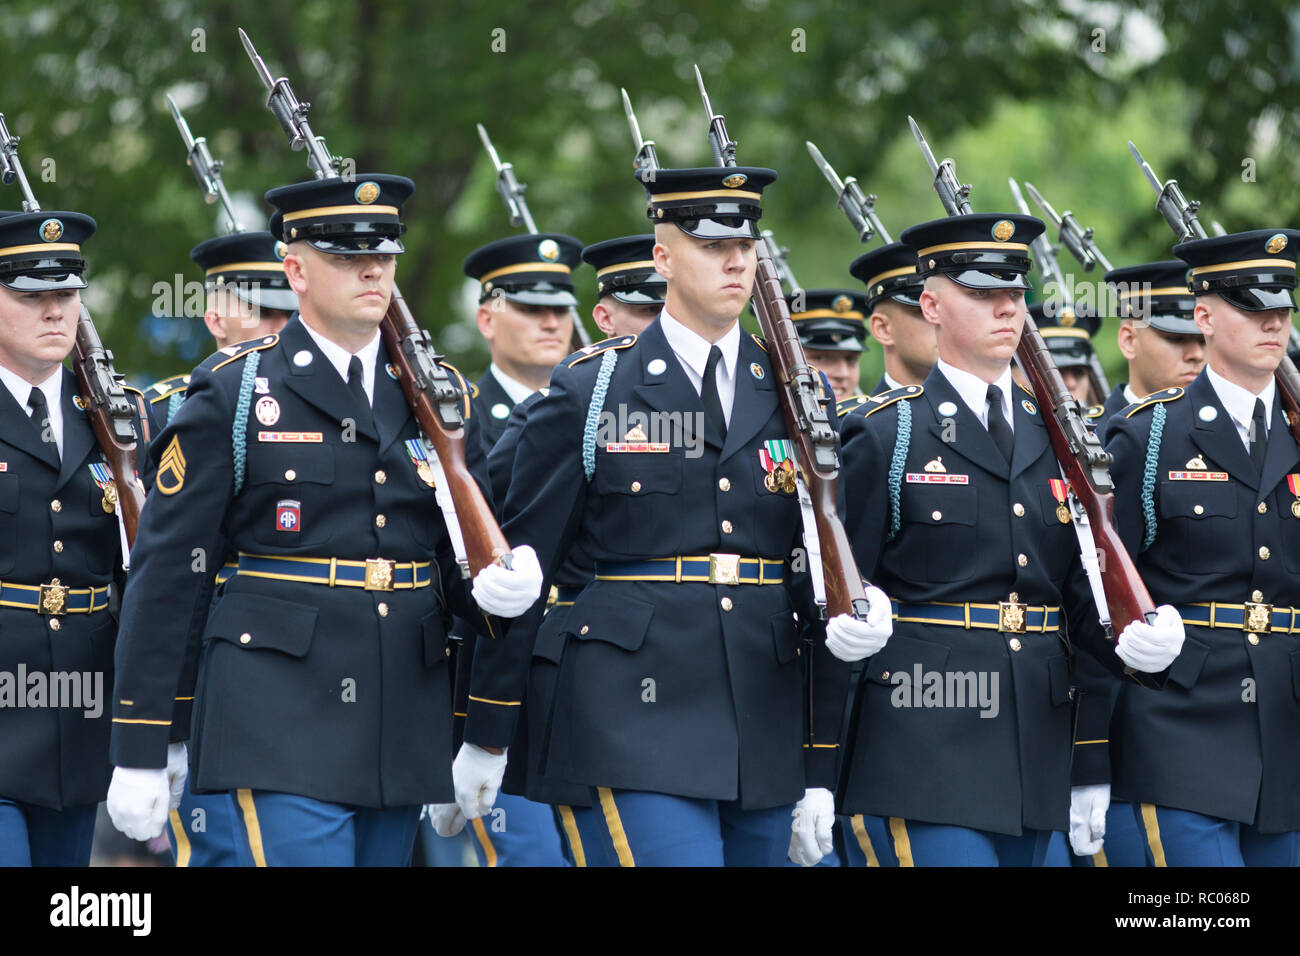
(41, 415)
(998, 427)
(1258, 436)
(355, 380)
(709, 392)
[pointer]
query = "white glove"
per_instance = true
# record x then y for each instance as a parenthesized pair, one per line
(1088, 807)
(852, 640)
(446, 818)
(810, 831)
(1152, 647)
(138, 801)
(476, 776)
(509, 593)
(178, 771)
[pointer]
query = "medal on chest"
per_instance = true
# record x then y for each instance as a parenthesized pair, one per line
(1293, 483)
(420, 459)
(103, 477)
(777, 458)
(1059, 491)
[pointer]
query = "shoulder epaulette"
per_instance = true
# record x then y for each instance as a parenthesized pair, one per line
(844, 406)
(760, 341)
(596, 348)
(874, 403)
(240, 350)
(1094, 412)
(1155, 398)
(168, 387)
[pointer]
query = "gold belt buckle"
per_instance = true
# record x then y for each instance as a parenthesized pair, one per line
(54, 598)
(724, 569)
(1259, 617)
(379, 574)
(1011, 615)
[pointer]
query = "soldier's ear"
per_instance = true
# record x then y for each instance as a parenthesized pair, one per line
(880, 331)
(483, 318)
(295, 273)
(1126, 337)
(930, 306)
(604, 320)
(663, 260)
(1203, 316)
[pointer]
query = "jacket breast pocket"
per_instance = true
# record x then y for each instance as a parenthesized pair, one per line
(1289, 527)
(640, 501)
(1198, 518)
(295, 478)
(939, 536)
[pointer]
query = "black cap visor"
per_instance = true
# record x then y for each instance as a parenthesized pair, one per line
(43, 275)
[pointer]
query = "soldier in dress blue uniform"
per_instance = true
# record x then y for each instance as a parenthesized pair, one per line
(630, 294)
(62, 553)
(322, 703)
(248, 297)
(961, 735)
(526, 303)
(1157, 334)
(1164, 349)
(832, 327)
(1207, 500)
(679, 692)
(906, 340)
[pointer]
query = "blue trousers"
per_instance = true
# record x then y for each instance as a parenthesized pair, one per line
(37, 836)
(657, 829)
(933, 844)
(582, 827)
(1183, 838)
(866, 841)
(518, 832)
(202, 830)
(283, 829)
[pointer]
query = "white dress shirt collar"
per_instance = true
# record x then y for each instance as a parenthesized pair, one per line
(516, 389)
(21, 390)
(974, 391)
(693, 349)
(340, 358)
(1240, 403)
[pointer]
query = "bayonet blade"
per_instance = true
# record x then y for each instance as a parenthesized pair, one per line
(704, 94)
(827, 170)
(925, 147)
(258, 63)
(1043, 204)
(1018, 196)
(1147, 171)
(631, 118)
(181, 125)
(487, 144)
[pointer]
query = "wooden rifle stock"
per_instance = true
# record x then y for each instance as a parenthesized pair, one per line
(109, 411)
(437, 404)
(1288, 380)
(1087, 471)
(812, 436)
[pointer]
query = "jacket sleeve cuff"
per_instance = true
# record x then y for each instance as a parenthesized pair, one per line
(139, 743)
(820, 762)
(491, 723)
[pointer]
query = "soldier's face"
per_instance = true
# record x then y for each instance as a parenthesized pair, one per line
(1249, 344)
(231, 319)
(977, 329)
(709, 280)
(1159, 359)
(37, 329)
(349, 293)
(522, 335)
(841, 369)
(904, 331)
(1076, 381)
(618, 318)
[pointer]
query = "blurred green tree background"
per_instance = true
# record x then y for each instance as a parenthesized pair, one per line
(1046, 91)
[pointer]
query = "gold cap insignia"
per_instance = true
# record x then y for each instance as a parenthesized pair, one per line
(735, 180)
(636, 434)
(935, 466)
(367, 193)
(51, 229)
(1003, 229)
(548, 250)
(1276, 244)
(1067, 317)
(842, 303)
(1196, 464)
(281, 250)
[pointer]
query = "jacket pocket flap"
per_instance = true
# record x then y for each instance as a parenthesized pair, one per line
(610, 617)
(904, 653)
(254, 622)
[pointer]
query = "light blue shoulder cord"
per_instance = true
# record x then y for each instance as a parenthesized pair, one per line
(174, 406)
(606, 372)
(902, 442)
(239, 432)
(1149, 473)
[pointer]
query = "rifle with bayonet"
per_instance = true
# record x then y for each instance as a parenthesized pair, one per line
(206, 169)
(434, 396)
(1181, 216)
(860, 208)
(1085, 464)
(1050, 266)
(806, 421)
(511, 191)
(100, 384)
